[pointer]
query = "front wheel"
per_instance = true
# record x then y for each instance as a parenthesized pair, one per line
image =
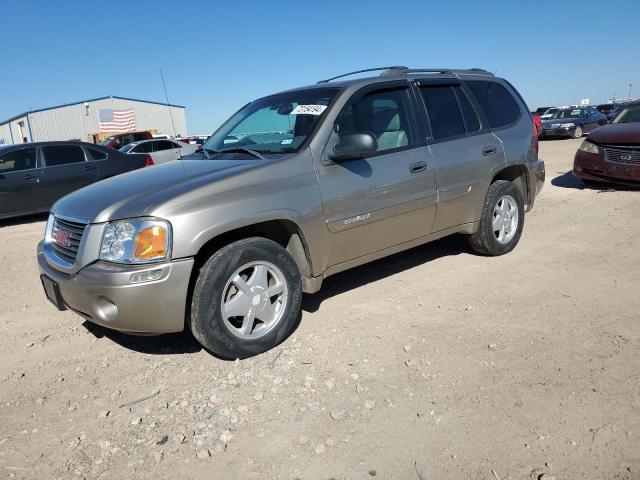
(501, 222)
(246, 299)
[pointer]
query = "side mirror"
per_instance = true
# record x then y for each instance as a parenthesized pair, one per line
(354, 145)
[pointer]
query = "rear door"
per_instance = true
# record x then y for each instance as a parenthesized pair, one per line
(20, 182)
(385, 199)
(163, 151)
(464, 150)
(65, 170)
(99, 158)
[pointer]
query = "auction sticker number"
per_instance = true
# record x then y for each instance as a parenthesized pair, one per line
(309, 110)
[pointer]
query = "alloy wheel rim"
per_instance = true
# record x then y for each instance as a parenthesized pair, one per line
(254, 300)
(505, 219)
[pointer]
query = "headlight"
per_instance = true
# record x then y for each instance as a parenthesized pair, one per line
(139, 240)
(568, 125)
(589, 147)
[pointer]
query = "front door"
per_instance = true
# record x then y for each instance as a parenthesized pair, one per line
(20, 183)
(66, 170)
(386, 199)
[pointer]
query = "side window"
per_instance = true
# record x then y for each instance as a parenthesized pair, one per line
(163, 145)
(139, 136)
(383, 113)
(145, 147)
(95, 154)
(55, 155)
(444, 114)
(22, 159)
(470, 116)
(498, 104)
(174, 145)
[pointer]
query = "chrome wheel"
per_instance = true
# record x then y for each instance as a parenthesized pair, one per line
(254, 300)
(577, 133)
(505, 219)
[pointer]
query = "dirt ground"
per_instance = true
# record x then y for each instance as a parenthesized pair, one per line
(434, 363)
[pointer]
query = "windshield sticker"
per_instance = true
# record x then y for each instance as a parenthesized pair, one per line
(286, 141)
(309, 110)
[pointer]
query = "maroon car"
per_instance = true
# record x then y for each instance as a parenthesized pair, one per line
(612, 152)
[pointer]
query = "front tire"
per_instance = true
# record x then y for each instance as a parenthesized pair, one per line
(246, 299)
(501, 222)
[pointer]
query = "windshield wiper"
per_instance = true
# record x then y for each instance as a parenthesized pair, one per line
(238, 150)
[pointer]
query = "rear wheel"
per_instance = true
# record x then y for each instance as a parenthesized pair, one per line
(577, 133)
(502, 220)
(246, 299)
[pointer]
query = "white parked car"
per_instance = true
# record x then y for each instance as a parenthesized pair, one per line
(161, 150)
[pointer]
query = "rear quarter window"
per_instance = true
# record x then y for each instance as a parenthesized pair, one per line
(499, 106)
(95, 154)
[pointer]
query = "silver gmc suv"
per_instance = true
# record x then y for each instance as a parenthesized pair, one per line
(293, 188)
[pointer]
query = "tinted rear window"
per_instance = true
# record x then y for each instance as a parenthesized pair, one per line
(95, 154)
(62, 155)
(499, 106)
(444, 113)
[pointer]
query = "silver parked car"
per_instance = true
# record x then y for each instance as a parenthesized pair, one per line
(291, 189)
(161, 150)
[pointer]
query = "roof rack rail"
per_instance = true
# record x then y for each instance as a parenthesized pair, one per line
(394, 67)
(452, 71)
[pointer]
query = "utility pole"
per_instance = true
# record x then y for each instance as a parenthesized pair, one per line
(630, 91)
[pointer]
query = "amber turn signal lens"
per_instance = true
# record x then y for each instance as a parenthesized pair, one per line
(151, 243)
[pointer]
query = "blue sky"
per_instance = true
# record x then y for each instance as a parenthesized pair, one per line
(218, 55)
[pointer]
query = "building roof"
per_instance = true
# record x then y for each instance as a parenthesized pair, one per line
(86, 101)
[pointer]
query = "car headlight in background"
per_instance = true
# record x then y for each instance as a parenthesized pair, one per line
(568, 125)
(589, 147)
(137, 240)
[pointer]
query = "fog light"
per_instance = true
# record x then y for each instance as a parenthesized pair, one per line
(146, 276)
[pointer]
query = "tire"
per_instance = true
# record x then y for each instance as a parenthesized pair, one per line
(265, 317)
(578, 132)
(486, 240)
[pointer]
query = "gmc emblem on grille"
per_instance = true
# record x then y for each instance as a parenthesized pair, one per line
(62, 237)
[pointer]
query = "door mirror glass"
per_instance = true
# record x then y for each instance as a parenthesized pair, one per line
(354, 145)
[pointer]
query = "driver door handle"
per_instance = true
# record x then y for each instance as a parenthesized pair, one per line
(31, 176)
(417, 167)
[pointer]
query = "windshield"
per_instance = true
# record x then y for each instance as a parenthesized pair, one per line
(630, 114)
(567, 113)
(107, 140)
(276, 124)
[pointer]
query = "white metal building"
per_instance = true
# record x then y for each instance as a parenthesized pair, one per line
(81, 121)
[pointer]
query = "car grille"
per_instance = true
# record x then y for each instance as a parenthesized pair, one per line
(66, 237)
(623, 155)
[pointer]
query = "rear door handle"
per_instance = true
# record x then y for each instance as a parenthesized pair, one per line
(418, 167)
(89, 168)
(487, 151)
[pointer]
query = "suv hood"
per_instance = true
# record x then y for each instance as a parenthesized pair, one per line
(136, 193)
(617, 133)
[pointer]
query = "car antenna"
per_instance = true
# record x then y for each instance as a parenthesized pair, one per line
(164, 85)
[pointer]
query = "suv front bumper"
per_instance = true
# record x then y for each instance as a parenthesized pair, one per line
(103, 294)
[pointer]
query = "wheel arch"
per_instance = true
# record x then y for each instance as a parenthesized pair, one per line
(518, 175)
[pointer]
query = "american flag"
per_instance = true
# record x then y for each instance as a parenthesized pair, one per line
(117, 120)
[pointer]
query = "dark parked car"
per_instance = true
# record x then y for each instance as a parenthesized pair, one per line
(34, 176)
(572, 122)
(119, 140)
(612, 153)
(541, 110)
